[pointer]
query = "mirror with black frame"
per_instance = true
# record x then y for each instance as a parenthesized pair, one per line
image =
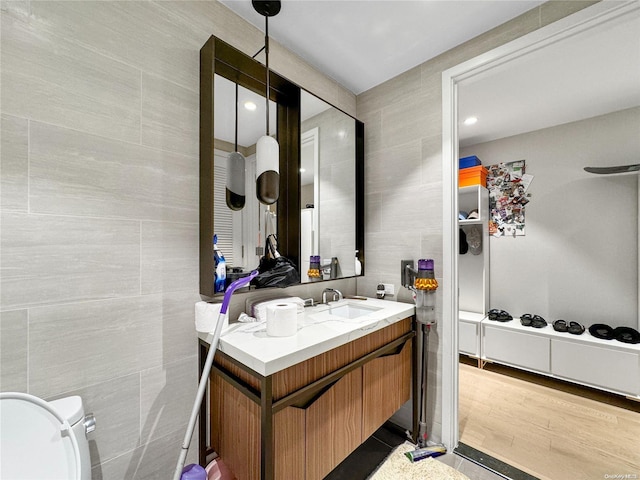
(321, 172)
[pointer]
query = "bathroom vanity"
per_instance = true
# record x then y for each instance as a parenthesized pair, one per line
(295, 407)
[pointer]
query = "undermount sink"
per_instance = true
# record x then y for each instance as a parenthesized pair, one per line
(349, 310)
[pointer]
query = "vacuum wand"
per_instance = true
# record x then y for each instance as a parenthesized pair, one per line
(423, 284)
(202, 386)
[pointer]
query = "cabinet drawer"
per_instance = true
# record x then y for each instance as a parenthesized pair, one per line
(517, 348)
(468, 338)
(597, 366)
(386, 386)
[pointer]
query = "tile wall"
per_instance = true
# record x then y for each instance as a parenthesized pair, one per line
(99, 205)
(403, 171)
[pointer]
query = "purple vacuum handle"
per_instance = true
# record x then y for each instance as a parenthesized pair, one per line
(241, 282)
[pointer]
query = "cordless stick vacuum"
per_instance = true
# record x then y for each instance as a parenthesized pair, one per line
(423, 284)
(202, 387)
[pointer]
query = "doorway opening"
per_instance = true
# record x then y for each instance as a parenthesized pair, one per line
(456, 82)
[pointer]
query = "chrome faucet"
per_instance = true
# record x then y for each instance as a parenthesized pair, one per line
(335, 292)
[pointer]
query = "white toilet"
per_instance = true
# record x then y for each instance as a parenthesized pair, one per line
(44, 440)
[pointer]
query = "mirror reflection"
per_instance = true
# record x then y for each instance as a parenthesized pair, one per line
(327, 191)
(240, 233)
(327, 183)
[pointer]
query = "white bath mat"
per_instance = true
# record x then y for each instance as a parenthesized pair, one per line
(398, 467)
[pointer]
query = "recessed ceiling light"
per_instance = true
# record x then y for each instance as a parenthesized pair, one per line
(470, 120)
(302, 170)
(249, 105)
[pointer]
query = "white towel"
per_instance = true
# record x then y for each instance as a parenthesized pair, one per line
(207, 316)
(260, 309)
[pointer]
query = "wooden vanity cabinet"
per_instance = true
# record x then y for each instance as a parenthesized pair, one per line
(301, 422)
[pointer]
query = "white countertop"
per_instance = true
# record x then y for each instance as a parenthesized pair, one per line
(318, 331)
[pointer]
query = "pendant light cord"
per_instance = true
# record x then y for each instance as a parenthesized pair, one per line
(266, 46)
(236, 138)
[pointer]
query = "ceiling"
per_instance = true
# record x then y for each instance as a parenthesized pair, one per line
(251, 123)
(363, 43)
(588, 74)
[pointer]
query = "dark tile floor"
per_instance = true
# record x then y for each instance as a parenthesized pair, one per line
(364, 460)
(473, 463)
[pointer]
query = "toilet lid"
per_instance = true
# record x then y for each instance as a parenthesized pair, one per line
(36, 441)
(70, 408)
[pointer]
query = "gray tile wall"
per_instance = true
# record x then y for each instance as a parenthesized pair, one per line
(403, 172)
(99, 211)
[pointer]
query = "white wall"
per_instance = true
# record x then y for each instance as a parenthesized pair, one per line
(579, 258)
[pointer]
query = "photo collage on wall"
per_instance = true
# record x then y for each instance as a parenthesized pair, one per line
(507, 184)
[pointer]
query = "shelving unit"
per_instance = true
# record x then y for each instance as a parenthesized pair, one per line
(473, 271)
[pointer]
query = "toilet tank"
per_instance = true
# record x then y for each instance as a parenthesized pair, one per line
(72, 409)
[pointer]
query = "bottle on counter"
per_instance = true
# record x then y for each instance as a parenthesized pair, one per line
(335, 266)
(314, 268)
(220, 275)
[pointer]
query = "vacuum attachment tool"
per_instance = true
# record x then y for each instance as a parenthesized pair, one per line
(427, 452)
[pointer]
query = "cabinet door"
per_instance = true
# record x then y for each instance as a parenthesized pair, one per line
(334, 425)
(468, 338)
(288, 444)
(597, 366)
(516, 348)
(238, 431)
(386, 387)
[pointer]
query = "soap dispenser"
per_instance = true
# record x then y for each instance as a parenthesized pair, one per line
(358, 265)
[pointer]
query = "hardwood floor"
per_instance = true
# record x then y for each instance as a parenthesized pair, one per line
(548, 428)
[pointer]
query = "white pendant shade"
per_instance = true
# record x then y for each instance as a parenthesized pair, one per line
(267, 154)
(267, 170)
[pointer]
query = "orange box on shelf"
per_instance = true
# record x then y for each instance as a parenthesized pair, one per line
(472, 176)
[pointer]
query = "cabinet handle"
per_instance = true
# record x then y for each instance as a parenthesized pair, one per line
(397, 351)
(306, 401)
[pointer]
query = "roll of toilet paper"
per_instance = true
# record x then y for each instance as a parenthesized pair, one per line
(282, 319)
(207, 317)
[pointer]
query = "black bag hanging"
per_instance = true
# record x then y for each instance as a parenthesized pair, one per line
(275, 270)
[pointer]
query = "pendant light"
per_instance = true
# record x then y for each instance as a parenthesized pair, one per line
(267, 148)
(235, 173)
